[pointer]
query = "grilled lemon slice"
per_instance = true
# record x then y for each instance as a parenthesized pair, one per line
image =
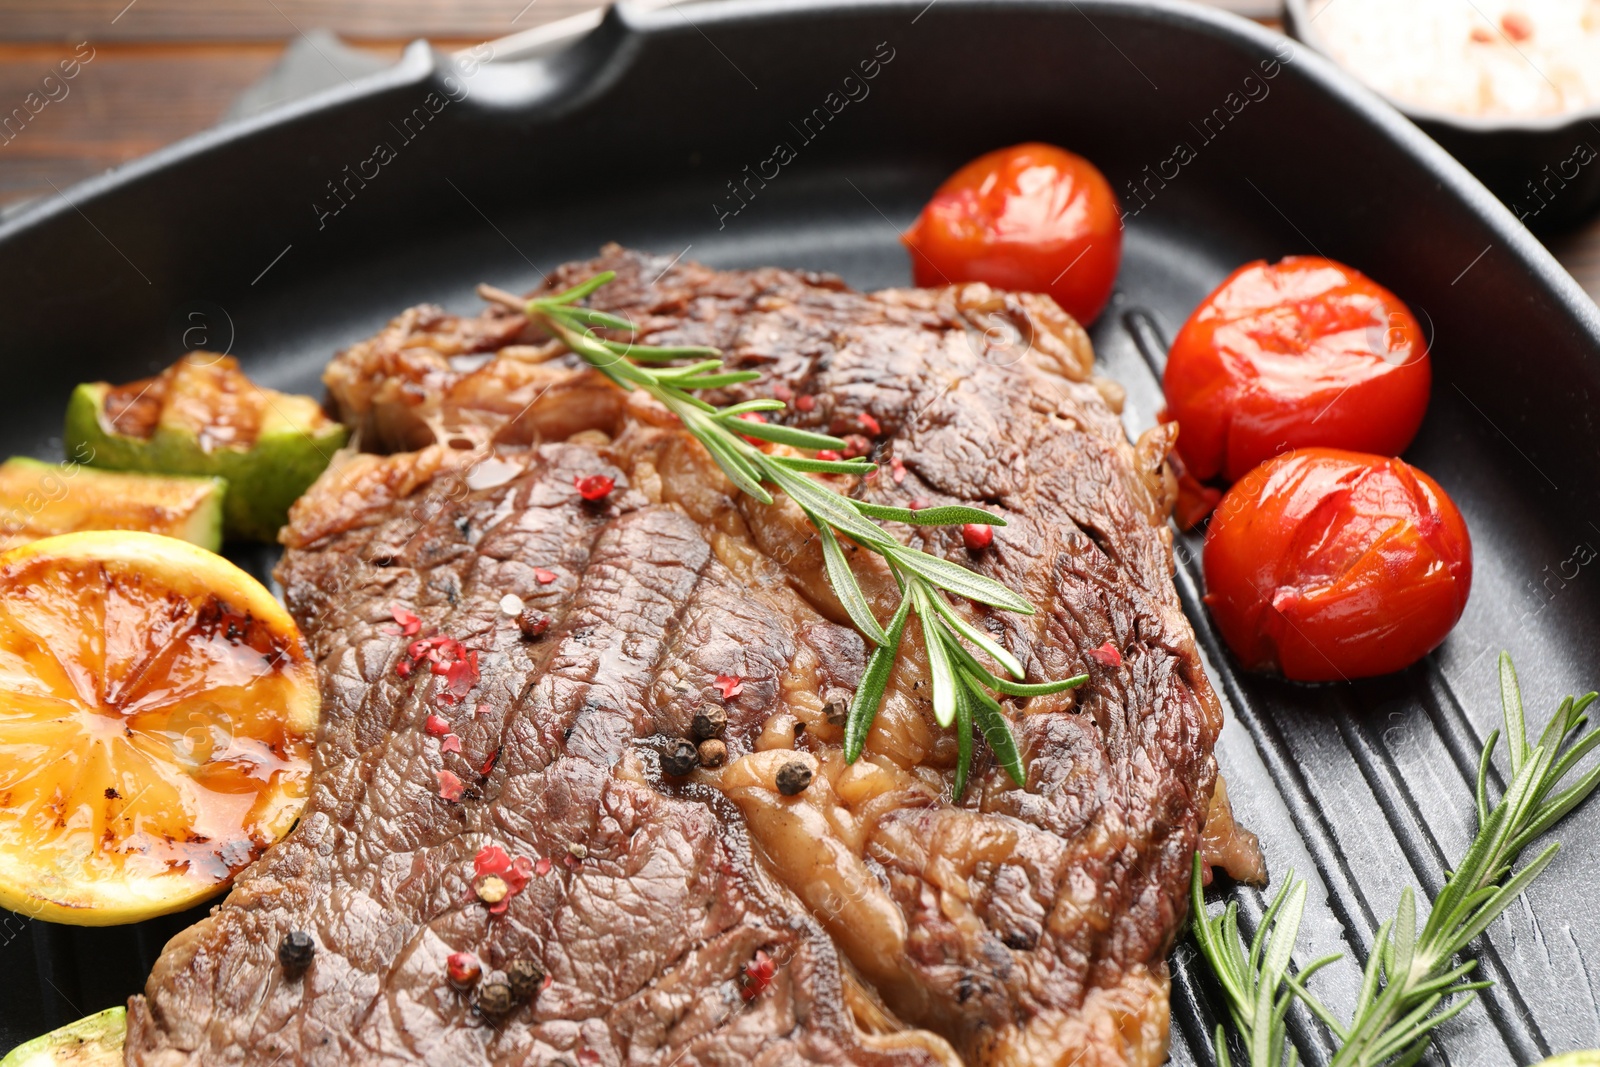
(157, 713)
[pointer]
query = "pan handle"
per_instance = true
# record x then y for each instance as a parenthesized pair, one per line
(555, 36)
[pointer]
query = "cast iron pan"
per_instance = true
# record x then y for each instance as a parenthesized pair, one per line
(635, 134)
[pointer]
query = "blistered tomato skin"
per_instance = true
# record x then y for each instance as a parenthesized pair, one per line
(1325, 565)
(1302, 352)
(1032, 218)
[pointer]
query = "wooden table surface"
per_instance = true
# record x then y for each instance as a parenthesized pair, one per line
(163, 69)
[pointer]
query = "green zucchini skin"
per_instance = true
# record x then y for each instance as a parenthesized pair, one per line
(263, 480)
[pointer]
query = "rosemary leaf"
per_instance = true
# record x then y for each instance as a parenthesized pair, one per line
(780, 434)
(733, 411)
(941, 674)
(1579, 750)
(826, 466)
(1002, 685)
(958, 786)
(671, 394)
(1511, 708)
(943, 515)
(579, 291)
(989, 645)
(992, 723)
(846, 588)
(1482, 792)
(1038, 689)
(720, 381)
(958, 580)
(661, 353)
(675, 375)
(592, 318)
(874, 680)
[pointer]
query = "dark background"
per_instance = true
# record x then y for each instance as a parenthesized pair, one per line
(1364, 788)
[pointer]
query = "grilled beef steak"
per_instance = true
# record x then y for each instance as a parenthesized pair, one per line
(737, 913)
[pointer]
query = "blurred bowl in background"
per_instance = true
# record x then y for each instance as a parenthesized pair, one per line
(1545, 167)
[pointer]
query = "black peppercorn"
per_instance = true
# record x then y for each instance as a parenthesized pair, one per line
(295, 952)
(495, 998)
(713, 753)
(680, 757)
(837, 712)
(709, 721)
(793, 777)
(525, 977)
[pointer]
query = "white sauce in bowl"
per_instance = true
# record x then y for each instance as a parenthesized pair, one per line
(1489, 58)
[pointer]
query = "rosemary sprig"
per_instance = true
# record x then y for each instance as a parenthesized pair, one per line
(1412, 983)
(961, 683)
(1254, 983)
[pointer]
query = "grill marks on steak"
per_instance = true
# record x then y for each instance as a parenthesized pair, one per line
(1026, 925)
(643, 940)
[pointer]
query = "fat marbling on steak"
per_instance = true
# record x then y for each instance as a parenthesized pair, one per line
(1019, 926)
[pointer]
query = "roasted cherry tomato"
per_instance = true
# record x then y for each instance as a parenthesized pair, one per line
(1323, 564)
(1033, 218)
(1302, 352)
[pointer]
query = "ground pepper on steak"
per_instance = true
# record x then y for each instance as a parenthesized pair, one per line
(1022, 926)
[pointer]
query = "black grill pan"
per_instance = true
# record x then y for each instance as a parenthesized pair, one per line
(637, 132)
